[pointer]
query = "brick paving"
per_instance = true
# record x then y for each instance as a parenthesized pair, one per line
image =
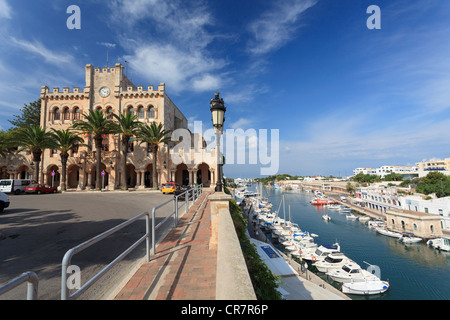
(184, 266)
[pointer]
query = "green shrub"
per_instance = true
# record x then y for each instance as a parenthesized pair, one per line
(265, 283)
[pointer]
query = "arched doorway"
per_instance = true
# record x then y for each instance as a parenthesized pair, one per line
(24, 172)
(203, 175)
(182, 175)
(73, 176)
(104, 180)
(53, 179)
(148, 176)
(131, 175)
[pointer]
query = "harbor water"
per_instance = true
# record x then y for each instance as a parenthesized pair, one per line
(414, 271)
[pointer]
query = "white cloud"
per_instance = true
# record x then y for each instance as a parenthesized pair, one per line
(207, 82)
(5, 10)
(242, 123)
(178, 69)
(107, 44)
(277, 25)
(178, 53)
(39, 49)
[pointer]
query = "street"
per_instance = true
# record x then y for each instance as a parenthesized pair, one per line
(37, 230)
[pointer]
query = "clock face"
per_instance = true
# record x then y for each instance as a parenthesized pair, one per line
(104, 92)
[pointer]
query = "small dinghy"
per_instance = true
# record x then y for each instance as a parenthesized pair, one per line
(368, 287)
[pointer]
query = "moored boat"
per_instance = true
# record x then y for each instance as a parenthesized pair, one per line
(409, 238)
(332, 261)
(388, 233)
(351, 272)
(320, 253)
(369, 287)
(440, 243)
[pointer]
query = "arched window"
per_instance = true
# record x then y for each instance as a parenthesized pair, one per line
(130, 109)
(66, 114)
(56, 114)
(151, 112)
(99, 109)
(141, 112)
(109, 113)
(76, 113)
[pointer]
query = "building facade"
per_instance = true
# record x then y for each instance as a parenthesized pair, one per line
(110, 91)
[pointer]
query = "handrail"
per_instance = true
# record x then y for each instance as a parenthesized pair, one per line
(32, 287)
(196, 192)
(70, 253)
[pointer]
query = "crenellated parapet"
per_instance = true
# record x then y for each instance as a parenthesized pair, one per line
(140, 92)
(65, 93)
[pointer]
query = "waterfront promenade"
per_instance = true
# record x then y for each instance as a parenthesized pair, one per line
(184, 266)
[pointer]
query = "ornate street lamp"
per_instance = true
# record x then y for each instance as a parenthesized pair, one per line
(218, 110)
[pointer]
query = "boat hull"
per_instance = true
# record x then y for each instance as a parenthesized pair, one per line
(365, 288)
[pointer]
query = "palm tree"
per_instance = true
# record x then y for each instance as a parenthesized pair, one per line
(97, 125)
(36, 139)
(66, 141)
(154, 134)
(127, 126)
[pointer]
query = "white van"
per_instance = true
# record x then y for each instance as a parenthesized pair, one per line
(343, 199)
(15, 186)
(4, 201)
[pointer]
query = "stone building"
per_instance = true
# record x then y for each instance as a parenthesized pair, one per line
(109, 90)
(421, 224)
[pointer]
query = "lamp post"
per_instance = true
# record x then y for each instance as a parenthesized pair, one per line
(218, 118)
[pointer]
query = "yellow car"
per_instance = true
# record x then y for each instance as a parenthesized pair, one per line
(169, 187)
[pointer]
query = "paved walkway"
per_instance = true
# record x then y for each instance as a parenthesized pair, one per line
(184, 267)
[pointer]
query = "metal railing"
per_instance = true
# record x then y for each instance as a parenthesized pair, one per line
(69, 254)
(193, 193)
(32, 287)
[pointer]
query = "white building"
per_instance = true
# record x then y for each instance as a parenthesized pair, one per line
(385, 198)
(385, 170)
(364, 171)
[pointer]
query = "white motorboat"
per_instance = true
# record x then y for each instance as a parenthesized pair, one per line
(333, 206)
(351, 216)
(332, 261)
(389, 233)
(344, 209)
(326, 217)
(373, 224)
(320, 253)
(368, 287)
(351, 272)
(409, 238)
(440, 243)
(364, 219)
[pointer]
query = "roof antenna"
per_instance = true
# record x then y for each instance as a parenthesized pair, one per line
(107, 57)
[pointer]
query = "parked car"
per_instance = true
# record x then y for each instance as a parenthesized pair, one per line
(4, 201)
(181, 190)
(15, 186)
(39, 188)
(169, 187)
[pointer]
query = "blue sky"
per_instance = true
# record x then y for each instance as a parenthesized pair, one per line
(342, 96)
